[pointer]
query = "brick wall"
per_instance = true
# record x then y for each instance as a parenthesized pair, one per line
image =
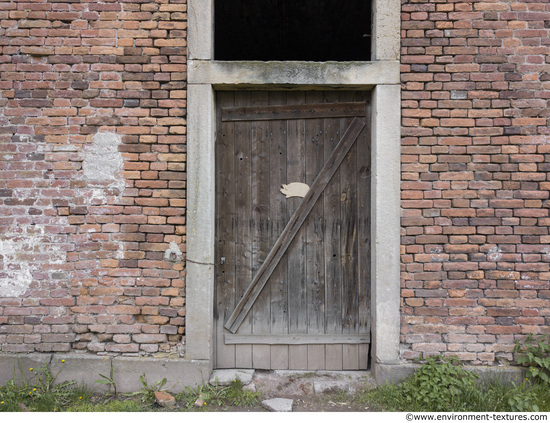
(92, 175)
(475, 185)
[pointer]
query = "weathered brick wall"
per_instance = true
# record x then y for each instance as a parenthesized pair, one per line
(92, 175)
(475, 185)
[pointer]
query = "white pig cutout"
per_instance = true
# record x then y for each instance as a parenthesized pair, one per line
(295, 189)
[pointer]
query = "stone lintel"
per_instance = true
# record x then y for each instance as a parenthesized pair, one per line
(277, 75)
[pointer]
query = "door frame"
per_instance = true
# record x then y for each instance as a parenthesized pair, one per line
(382, 77)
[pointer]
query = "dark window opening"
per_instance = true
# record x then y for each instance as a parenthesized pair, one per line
(311, 30)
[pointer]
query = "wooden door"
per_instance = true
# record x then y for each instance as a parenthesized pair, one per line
(292, 272)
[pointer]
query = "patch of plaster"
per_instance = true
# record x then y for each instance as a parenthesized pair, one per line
(120, 252)
(20, 256)
(58, 311)
(173, 253)
(103, 164)
(494, 254)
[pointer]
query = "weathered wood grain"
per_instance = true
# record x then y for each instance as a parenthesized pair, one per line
(364, 223)
(260, 182)
(332, 229)
(243, 207)
(313, 312)
(306, 111)
(225, 231)
(334, 357)
(296, 172)
(316, 357)
(305, 339)
(350, 357)
(298, 357)
(348, 181)
(296, 221)
(278, 219)
(314, 224)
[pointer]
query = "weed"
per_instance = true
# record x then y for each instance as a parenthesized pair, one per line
(237, 396)
(218, 396)
(108, 380)
(43, 377)
(187, 397)
(541, 398)
(442, 385)
(38, 393)
(534, 353)
(148, 392)
(438, 384)
(82, 392)
(522, 400)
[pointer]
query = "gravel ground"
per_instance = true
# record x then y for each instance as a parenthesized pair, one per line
(311, 391)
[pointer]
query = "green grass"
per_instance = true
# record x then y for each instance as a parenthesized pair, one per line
(108, 406)
(39, 393)
(486, 397)
(36, 398)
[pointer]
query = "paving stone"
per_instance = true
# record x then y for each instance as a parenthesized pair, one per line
(226, 376)
(278, 404)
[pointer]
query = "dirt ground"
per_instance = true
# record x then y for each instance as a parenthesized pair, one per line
(311, 391)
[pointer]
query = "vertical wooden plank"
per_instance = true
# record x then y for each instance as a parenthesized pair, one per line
(364, 238)
(261, 357)
(278, 221)
(315, 270)
(334, 357)
(364, 356)
(297, 357)
(297, 306)
(316, 357)
(350, 357)
(279, 357)
(243, 241)
(348, 243)
(260, 182)
(333, 263)
(243, 356)
(225, 231)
